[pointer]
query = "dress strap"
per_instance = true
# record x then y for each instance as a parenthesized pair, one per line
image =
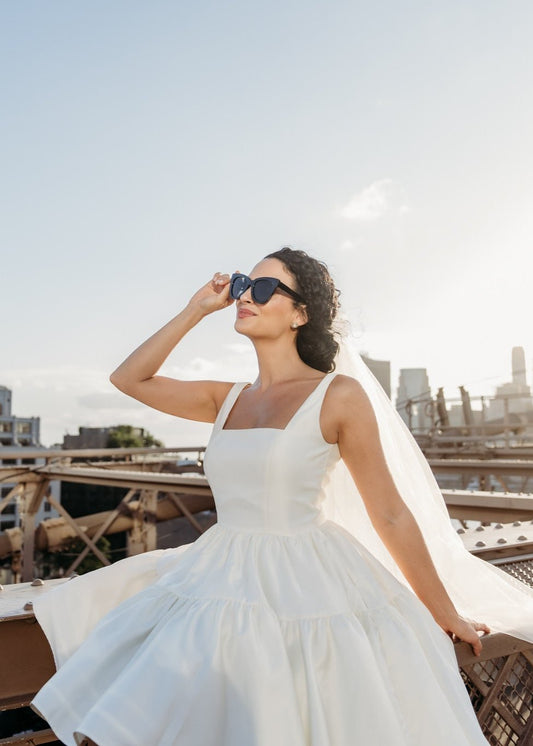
(321, 390)
(228, 403)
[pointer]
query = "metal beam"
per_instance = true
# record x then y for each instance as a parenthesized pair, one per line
(10, 452)
(488, 506)
(193, 484)
(481, 466)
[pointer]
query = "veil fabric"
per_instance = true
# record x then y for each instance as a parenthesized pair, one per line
(479, 590)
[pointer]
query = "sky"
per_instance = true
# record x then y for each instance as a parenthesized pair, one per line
(145, 146)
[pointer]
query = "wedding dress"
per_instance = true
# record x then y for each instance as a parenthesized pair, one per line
(275, 627)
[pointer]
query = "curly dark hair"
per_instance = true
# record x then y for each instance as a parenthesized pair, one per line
(315, 341)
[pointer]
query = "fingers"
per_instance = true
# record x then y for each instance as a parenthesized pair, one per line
(221, 284)
(476, 643)
(468, 632)
(472, 638)
(219, 279)
(479, 626)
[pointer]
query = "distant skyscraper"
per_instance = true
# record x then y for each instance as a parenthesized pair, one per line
(18, 432)
(519, 366)
(412, 398)
(381, 370)
(516, 392)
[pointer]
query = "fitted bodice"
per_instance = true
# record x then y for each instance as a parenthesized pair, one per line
(267, 479)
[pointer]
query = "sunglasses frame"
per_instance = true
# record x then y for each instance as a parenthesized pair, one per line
(275, 283)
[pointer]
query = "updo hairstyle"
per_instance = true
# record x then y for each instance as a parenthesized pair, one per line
(315, 341)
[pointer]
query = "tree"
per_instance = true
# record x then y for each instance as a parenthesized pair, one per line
(127, 436)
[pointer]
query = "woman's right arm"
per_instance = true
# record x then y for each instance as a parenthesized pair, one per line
(193, 400)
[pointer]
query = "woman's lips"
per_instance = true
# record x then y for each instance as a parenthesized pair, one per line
(242, 312)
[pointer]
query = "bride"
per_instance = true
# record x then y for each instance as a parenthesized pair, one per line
(278, 624)
(295, 344)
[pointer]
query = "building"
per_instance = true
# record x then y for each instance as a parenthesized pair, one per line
(94, 437)
(516, 392)
(413, 401)
(518, 358)
(16, 431)
(19, 432)
(456, 416)
(381, 370)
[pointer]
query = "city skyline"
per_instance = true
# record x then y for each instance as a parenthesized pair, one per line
(161, 425)
(146, 146)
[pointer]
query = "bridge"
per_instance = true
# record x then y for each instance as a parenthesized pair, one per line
(500, 682)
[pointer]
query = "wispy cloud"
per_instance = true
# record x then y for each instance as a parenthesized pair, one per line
(236, 361)
(108, 401)
(347, 245)
(379, 199)
(67, 397)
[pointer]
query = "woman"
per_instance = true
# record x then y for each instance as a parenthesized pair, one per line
(276, 626)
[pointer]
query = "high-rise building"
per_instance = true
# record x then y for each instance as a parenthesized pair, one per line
(413, 398)
(516, 392)
(381, 370)
(20, 432)
(519, 366)
(16, 431)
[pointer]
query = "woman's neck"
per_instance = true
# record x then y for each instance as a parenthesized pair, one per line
(278, 362)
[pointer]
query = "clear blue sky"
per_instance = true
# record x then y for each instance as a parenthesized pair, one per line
(145, 145)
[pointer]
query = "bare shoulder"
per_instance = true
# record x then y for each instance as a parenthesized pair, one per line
(345, 403)
(345, 391)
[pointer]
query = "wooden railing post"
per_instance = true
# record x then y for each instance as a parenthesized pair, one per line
(142, 537)
(32, 495)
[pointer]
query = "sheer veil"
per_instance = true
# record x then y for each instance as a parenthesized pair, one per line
(478, 589)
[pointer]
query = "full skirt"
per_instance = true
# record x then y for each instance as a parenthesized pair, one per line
(251, 639)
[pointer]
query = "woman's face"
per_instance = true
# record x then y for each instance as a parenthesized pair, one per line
(274, 318)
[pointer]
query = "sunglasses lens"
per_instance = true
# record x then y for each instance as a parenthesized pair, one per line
(263, 290)
(238, 286)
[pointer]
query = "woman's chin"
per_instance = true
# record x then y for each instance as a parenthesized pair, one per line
(241, 327)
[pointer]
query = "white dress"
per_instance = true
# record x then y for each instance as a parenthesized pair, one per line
(274, 628)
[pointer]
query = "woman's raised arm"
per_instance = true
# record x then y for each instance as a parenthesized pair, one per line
(360, 447)
(193, 400)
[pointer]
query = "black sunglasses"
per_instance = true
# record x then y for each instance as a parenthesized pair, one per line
(263, 288)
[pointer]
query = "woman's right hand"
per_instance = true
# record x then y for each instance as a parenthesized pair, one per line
(213, 296)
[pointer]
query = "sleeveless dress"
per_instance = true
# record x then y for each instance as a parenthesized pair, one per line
(275, 627)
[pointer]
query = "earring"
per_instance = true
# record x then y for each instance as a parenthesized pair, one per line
(294, 325)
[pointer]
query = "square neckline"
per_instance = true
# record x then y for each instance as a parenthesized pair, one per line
(221, 427)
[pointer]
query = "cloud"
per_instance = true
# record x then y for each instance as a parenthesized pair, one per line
(382, 198)
(236, 362)
(105, 400)
(195, 368)
(347, 245)
(56, 378)
(68, 396)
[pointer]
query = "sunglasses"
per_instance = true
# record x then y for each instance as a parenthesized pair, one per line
(263, 288)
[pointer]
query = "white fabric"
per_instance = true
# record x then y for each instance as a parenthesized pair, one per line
(276, 626)
(478, 589)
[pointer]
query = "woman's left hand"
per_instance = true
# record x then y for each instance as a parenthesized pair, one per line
(467, 630)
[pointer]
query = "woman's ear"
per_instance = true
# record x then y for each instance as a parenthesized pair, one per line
(303, 318)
